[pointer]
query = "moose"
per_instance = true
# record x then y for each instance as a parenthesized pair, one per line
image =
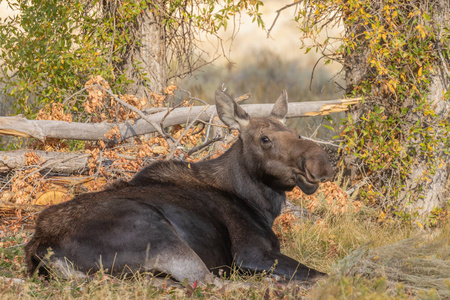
(189, 220)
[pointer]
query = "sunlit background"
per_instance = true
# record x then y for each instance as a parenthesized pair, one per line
(252, 62)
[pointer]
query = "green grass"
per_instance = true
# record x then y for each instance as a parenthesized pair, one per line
(322, 245)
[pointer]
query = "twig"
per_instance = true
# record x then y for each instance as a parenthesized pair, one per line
(46, 165)
(130, 107)
(193, 69)
(100, 161)
(161, 123)
(190, 96)
(322, 142)
(208, 129)
(139, 112)
(317, 129)
(278, 14)
(312, 73)
(243, 98)
(205, 144)
(172, 152)
(78, 92)
(212, 123)
(444, 63)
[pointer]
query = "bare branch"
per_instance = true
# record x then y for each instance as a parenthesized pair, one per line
(177, 142)
(131, 107)
(57, 162)
(204, 145)
(278, 15)
(322, 142)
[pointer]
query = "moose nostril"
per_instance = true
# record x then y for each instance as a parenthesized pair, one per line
(319, 172)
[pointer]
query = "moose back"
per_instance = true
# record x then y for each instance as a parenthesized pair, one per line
(189, 219)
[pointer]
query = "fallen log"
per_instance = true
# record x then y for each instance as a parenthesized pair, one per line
(42, 129)
(56, 162)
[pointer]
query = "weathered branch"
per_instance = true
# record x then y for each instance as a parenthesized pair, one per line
(188, 126)
(70, 163)
(278, 15)
(42, 129)
(57, 162)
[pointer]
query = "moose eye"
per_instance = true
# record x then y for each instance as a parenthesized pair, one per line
(265, 139)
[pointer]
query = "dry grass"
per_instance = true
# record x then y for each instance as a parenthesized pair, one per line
(368, 259)
(418, 266)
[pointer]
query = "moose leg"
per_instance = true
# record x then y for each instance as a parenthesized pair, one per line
(161, 249)
(278, 264)
(181, 262)
(175, 258)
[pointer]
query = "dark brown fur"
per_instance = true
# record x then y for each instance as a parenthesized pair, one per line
(189, 219)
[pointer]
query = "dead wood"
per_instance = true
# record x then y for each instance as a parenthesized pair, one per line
(56, 162)
(42, 129)
(11, 208)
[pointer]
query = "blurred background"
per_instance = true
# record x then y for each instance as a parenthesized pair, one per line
(264, 66)
(246, 60)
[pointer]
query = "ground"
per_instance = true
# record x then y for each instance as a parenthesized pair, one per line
(335, 237)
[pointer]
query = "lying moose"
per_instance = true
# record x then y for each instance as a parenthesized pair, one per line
(188, 219)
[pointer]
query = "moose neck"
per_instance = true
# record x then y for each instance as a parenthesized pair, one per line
(233, 173)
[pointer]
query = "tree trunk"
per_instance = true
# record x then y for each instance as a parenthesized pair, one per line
(436, 190)
(149, 56)
(424, 189)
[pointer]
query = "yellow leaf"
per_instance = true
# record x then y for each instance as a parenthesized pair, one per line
(391, 88)
(420, 72)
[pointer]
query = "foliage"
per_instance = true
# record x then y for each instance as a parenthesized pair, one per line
(44, 56)
(329, 197)
(107, 160)
(11, 254)
(394, 52)
(50, 48)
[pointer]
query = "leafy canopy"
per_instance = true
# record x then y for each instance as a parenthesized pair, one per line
(392, 52)
(51, 48)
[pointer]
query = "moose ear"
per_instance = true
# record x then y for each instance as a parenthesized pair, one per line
(230, 112)
(280, 108)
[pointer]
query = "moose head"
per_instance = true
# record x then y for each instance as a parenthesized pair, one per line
(275, 154)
